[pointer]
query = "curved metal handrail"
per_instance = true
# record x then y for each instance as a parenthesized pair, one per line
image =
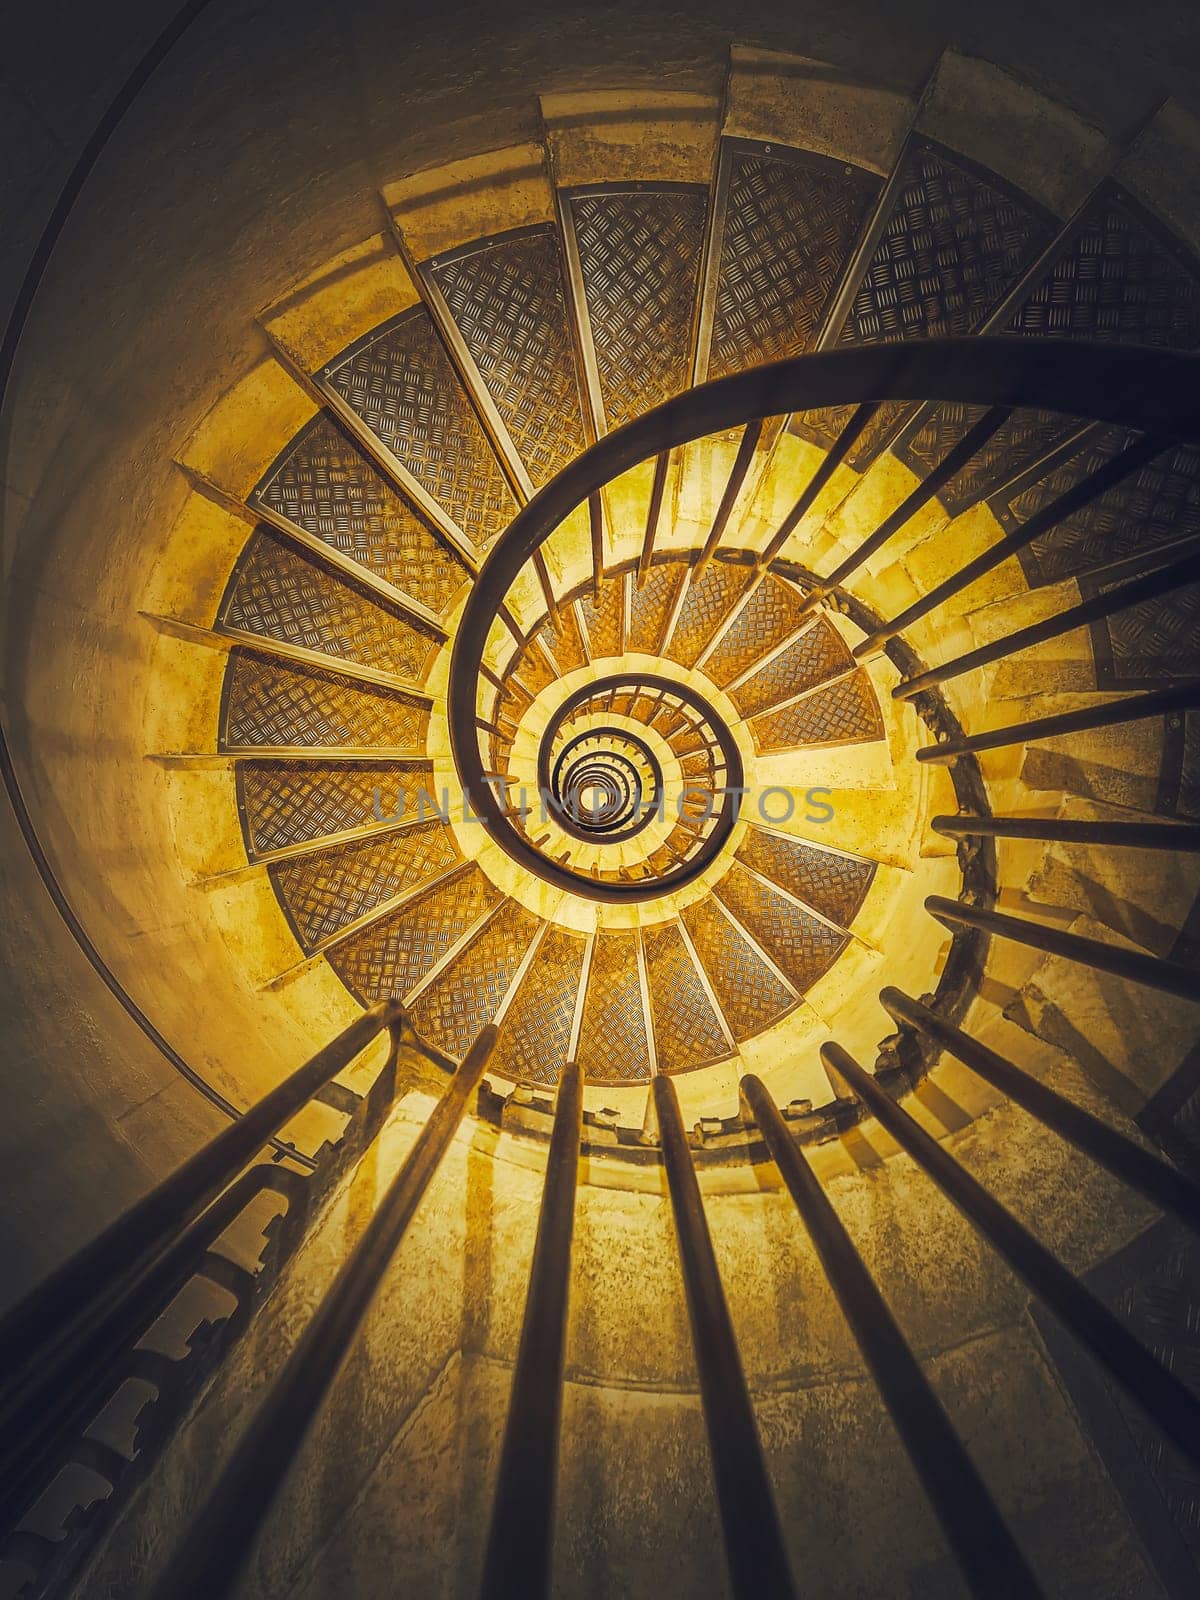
(1151, 390)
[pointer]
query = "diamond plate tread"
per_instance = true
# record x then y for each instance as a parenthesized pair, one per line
(764, 622)
(400, 382)
(789, 228)
(952, 247)
(286, 803)
(639, 255)
(536, 1033)
(325, 892)
(709, 599)
(466, 996)
(1016, 445)
(748, 992)
(326, 486)
(1188, 801)
(687, 1031)
(1119, 279)
(800, 945)
(604, 621)
(280, 593)
(651, 605)
(1147, 644)
(845, 712)
(563, 641)
(834, 885)
(1151, 508)
(612, 1036)
(510, 306)
(393, 955)
(270, 703)
(819, 653)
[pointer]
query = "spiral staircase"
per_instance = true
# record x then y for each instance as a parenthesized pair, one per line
(694, 605)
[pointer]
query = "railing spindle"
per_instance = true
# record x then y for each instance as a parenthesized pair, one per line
(596, 529)
(1065, 830)
(1149, 587)
(1156, 972)
(1131, 459)
(754, 1547)
(830, 462)
(662, 465)
(751, 434)
(520, 1543)
(1180, 697)
(949, 467)
(1148, 1174)
(1160, 1394)
(218, 1542)
(985, 1549)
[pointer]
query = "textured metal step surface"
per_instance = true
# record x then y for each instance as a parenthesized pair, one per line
(326, 891)
(954, 241)
(400, 383)
(466, 995)
(709, 599)
(325, 485)
(652, 606)
(845, 712)
(832, 884)
(751, 995)
(270, 704)
(613, 1044)
(761, 624)
(786, 221)
(688, 1031)
(508, 301)
(282, 593)
(820, 653)
(535, 1037)
(801, 945)
(637, 252)
(393, 955)
(288, 803)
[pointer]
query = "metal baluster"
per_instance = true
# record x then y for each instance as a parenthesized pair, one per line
(830, 462)
(1131, 459)
(1156, 972)
(662, 465)
(986, 1551)
(733, 487)
(596, 528)
(218, 1542)
(951, 465)
(1180, 697)
(1133, 835)
(1148, 1174)
(1146, 1380)
(520, 1544)
(754, 1547)
(1149, 587)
